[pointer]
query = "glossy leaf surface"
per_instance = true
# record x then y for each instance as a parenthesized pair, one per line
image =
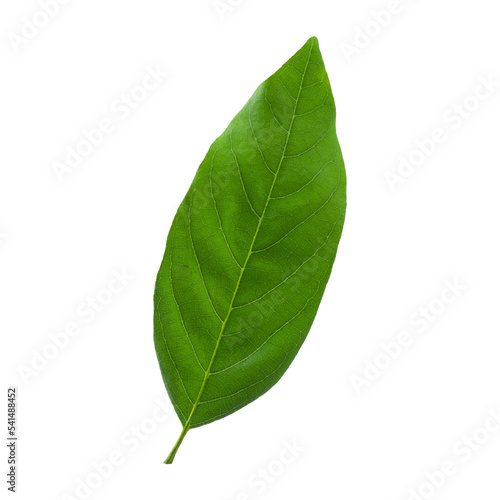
(251, 247)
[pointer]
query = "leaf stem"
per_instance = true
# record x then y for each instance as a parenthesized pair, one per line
(171, 455)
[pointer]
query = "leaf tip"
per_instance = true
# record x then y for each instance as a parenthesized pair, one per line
(313, 41)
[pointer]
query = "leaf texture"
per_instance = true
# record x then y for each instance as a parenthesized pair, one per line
(251, 247)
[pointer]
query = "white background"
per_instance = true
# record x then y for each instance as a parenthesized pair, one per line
(61, 241)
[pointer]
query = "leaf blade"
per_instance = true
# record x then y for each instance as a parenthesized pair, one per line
(262, 219)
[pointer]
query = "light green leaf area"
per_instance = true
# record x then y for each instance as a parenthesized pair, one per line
(251, 247)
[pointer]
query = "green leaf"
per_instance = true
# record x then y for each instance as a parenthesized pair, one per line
(251, 247)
